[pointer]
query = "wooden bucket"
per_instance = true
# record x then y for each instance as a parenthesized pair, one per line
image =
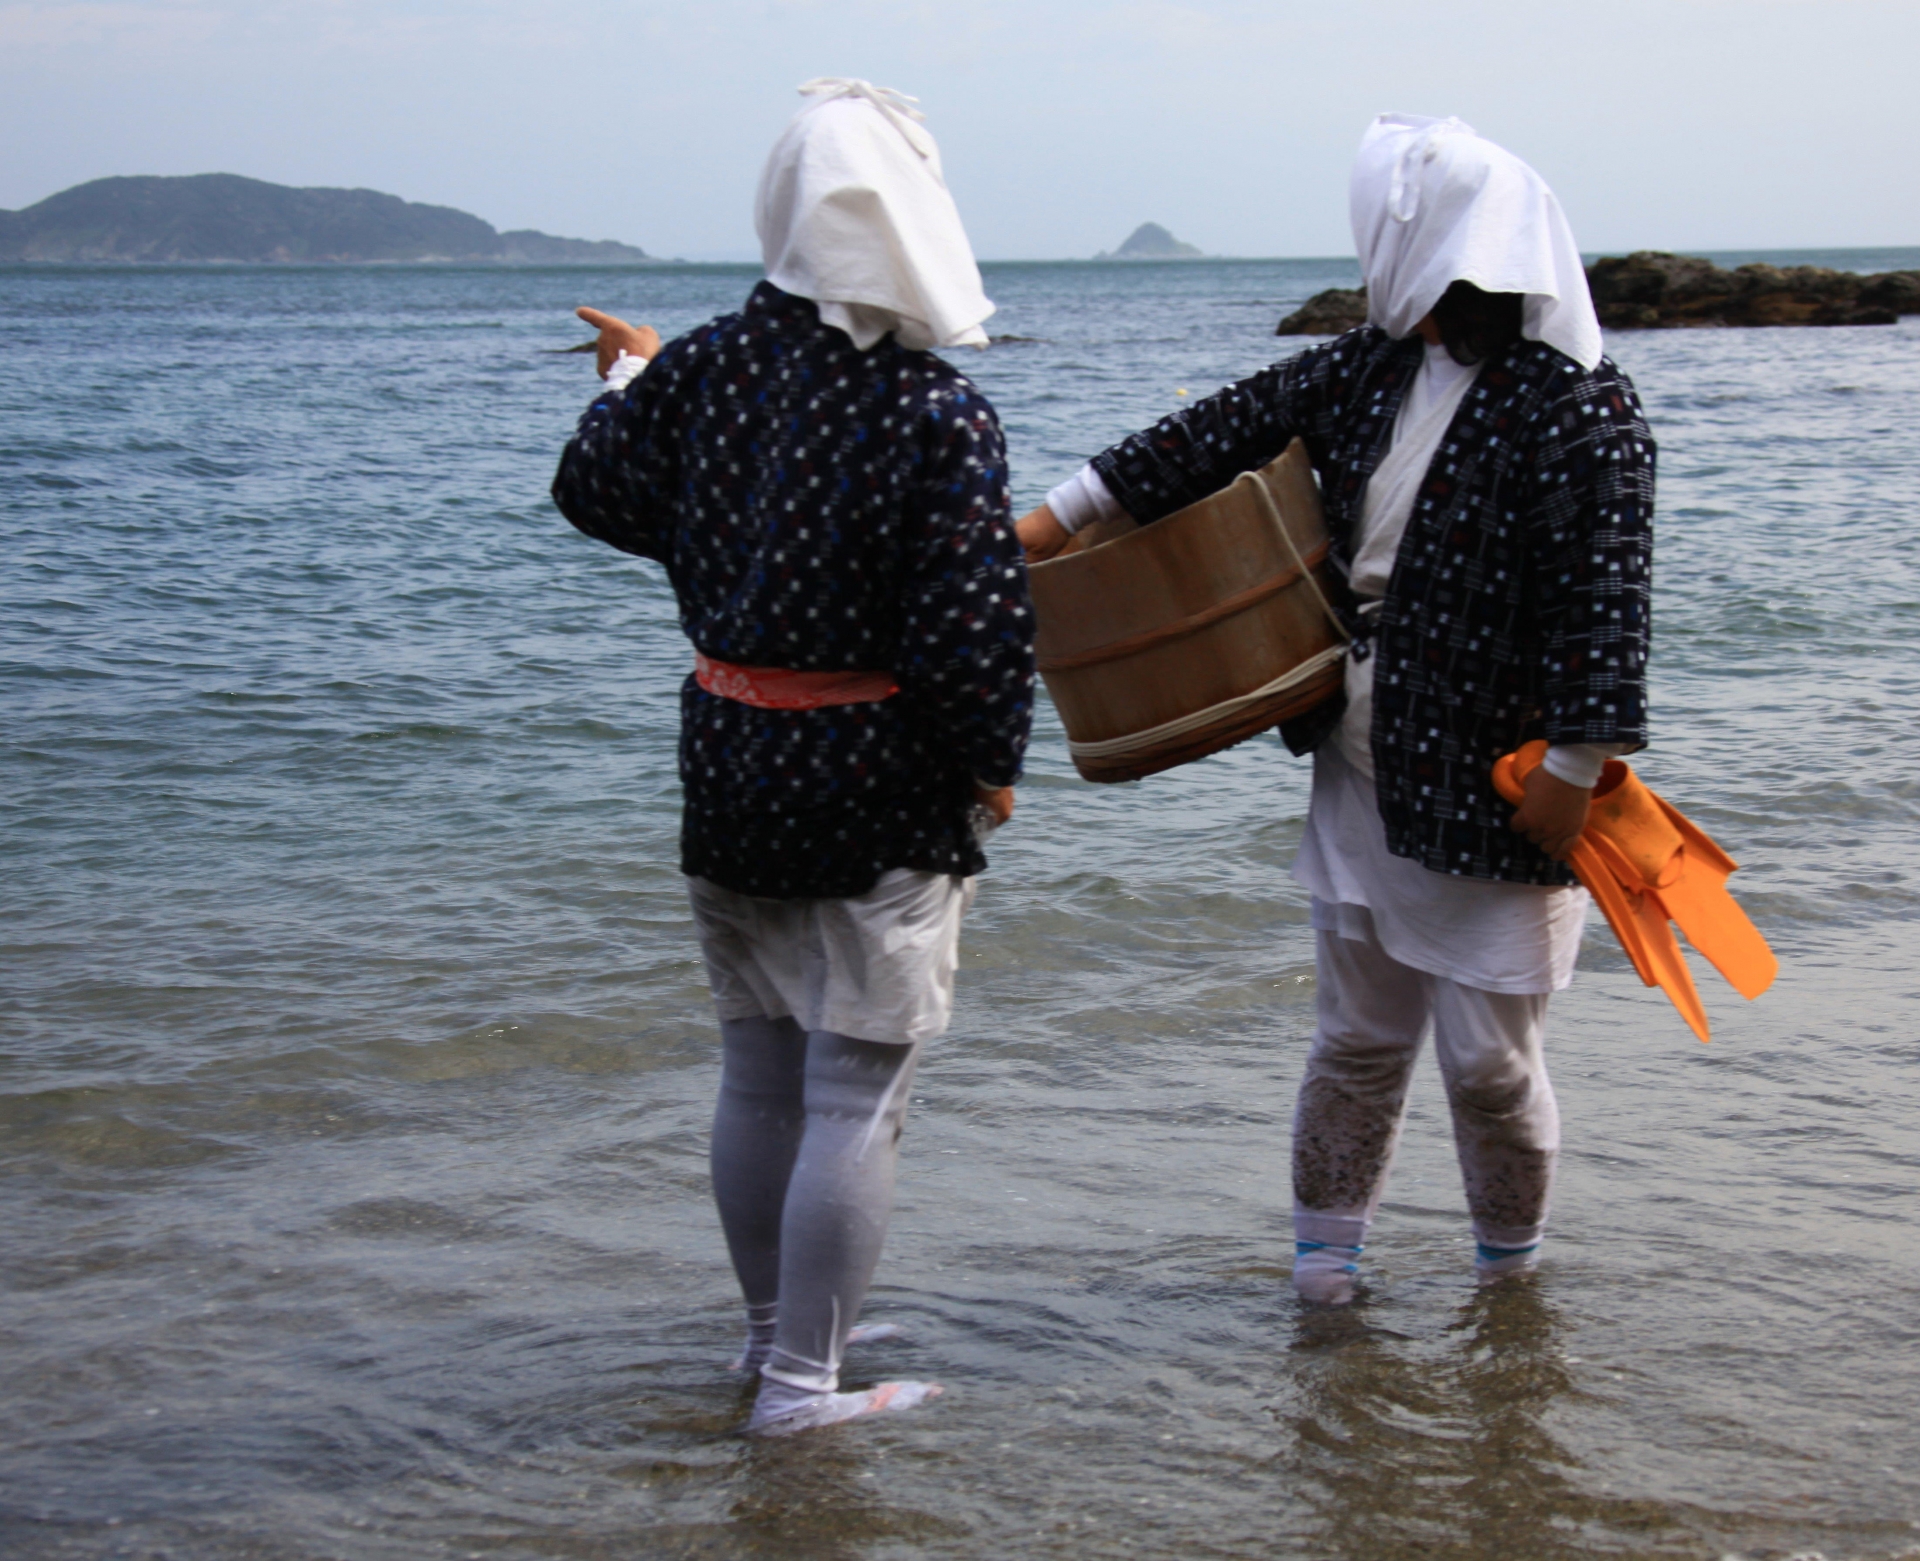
(1162, 644)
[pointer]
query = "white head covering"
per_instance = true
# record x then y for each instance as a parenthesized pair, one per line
(853, 212)
(1433, 204)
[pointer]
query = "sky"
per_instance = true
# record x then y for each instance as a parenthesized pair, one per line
(1663, 124)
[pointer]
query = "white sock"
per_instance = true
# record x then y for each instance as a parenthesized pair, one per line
(782, 1408)
(1325, 1273)
(1501, 1251)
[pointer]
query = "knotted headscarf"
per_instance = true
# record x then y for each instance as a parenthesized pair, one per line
(853, 212)
(1433, 204)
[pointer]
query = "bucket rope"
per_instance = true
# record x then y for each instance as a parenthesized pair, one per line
(1280, 525)
(1182, 726)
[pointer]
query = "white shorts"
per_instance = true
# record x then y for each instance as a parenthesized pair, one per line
(878, 966)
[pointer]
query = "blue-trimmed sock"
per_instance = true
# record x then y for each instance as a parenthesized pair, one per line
(1493, 1263)
(1325, 1273)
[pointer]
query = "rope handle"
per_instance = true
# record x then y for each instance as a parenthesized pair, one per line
(1128, 744)
(1280, 525)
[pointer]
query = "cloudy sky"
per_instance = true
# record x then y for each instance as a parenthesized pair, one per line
(1689, 124)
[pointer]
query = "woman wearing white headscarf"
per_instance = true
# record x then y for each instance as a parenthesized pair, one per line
(830, 501)
(1488, 483)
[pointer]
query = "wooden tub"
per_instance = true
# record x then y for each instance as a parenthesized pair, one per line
(1161, 644)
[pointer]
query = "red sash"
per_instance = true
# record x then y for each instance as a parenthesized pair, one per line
(781, 688)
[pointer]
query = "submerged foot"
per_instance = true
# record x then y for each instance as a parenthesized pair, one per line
(1492, 1264)
(1325, 1274)
(757, 1349)
(781, 1411)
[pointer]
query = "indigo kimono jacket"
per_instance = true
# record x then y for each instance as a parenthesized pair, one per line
(1519, 602)
(826, 510)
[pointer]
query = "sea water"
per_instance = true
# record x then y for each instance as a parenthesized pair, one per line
(355, 1058)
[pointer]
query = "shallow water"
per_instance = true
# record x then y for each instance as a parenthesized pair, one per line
(356, 1059)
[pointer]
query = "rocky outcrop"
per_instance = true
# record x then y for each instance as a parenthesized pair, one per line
(1327, 314)
(1150, 241)
(1652, 289)
(223, 217)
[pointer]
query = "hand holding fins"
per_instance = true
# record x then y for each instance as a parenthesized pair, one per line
(1647, 866)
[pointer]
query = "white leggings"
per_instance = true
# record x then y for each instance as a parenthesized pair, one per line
(805, 1138)
(1373, 1014)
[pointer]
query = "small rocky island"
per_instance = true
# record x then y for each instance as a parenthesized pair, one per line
(1652, 290)
(1150, 241)
(223, 217)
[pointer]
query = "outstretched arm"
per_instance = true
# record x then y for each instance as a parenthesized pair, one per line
(1199, 450)
(1192, 453)
(607, 481)
(618, 338)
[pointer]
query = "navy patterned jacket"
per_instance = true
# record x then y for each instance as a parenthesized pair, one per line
(1519, 601)
(826, 510)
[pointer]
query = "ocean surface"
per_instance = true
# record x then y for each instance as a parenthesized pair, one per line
(355, 1058)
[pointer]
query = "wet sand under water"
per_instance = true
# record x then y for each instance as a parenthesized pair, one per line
(356, 1066)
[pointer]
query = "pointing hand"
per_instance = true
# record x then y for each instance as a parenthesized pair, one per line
(616, 337)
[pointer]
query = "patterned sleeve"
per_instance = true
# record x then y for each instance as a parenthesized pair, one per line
(610, 476)
(1592, 536)
(966, 645)
(1199, 450)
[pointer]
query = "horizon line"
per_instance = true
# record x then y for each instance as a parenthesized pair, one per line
(743, 263)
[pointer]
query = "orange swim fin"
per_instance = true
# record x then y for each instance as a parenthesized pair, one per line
(1647, 865)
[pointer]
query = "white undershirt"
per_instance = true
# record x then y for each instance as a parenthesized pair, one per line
(1498, 937)
(1426, 412)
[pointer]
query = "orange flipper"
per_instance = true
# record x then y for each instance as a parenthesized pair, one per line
(1708, 914)
(1646, 865)
(1666, 966)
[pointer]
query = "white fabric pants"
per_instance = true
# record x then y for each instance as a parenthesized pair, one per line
(878, 966)
(1374, 1013)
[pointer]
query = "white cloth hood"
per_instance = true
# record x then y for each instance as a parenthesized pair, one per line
(1433, 204)
(853, 212)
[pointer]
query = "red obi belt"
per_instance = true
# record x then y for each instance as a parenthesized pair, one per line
(781, 688)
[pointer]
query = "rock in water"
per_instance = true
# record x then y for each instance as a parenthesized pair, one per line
(1895, 290)
(1651, 289)
(1150, 241)
(1327, 314)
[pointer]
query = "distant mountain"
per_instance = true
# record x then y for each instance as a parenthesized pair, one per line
(221, 216)
(1150, 241)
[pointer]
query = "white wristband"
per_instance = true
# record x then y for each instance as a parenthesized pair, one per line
(1082, 499)
(1579, 764)
(626, 369)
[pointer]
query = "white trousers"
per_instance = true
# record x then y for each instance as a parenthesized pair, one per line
(877, 966)
(1373, 1014)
